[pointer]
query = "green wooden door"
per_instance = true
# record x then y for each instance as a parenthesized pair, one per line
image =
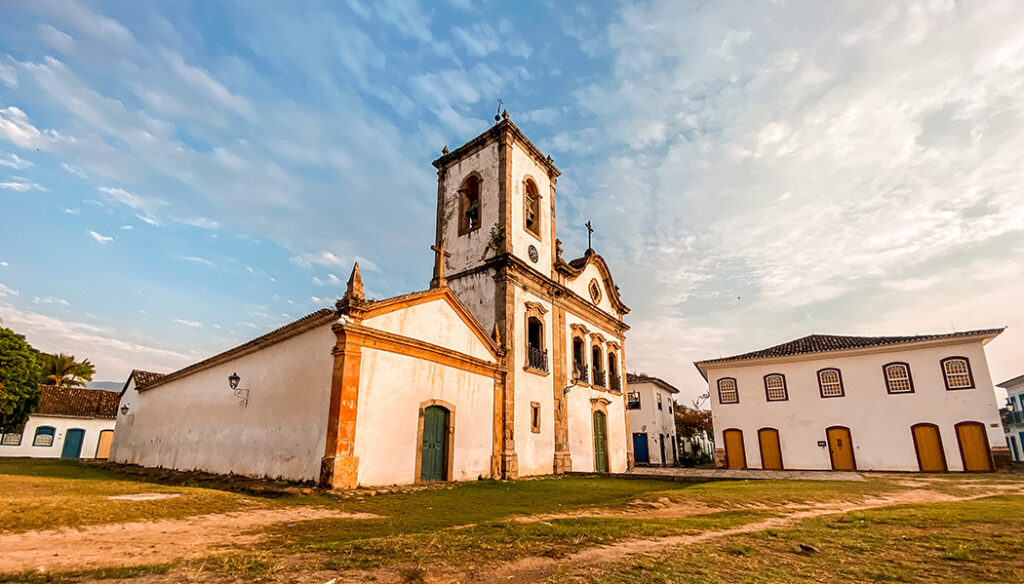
(73, 439)
(435, 436)
(600, 443)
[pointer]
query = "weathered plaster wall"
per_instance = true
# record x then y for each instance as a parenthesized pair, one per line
(391, 389)
(61, 424)
(652, 421)
(536, 451)
(476, 291)
(467, 250)
(196, 423)
(523, 166)
(434, 322)
(879, 422)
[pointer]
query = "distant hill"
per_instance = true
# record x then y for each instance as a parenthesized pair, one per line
(107, 385)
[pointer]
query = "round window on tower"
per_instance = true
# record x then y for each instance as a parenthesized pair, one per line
(595, 291)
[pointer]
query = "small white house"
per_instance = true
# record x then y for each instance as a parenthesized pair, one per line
(652, 423)
(72, 422)
(1013, 418)
(916, 403)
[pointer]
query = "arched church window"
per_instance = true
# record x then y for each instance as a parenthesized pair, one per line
(531, 207)
(613, 373)
(579, 360)
(469, 204)
(536, 356)
(597, 360)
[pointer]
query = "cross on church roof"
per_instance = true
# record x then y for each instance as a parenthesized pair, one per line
(590, 231)
(439, 281)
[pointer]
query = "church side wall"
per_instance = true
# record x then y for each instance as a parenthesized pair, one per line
(467, 250)
(879, 422)
(580, 408)
(536, 450)
(196, 423)
(392, 388)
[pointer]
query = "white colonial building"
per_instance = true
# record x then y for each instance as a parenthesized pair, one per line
(652, 422)
(1013, 417)
(510, 364)
(918, 403)
(71, 422)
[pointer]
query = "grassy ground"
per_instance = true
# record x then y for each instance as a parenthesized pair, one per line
(46, 494)
(467, 524)
(976, 541)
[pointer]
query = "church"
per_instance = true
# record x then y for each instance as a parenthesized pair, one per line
(510, 364)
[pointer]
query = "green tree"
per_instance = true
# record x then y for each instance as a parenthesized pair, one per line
(20, 371)
(61, 369)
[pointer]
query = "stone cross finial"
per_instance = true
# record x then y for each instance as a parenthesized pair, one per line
(590, 232)
(439, 281)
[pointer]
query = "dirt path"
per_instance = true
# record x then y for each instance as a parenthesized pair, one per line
(147, 542)
(533, 569)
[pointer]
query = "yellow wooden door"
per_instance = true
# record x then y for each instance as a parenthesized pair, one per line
(928, 444)
(840, 448)
(771, 450)
(106, 439)
(974, 447)
(735, 457)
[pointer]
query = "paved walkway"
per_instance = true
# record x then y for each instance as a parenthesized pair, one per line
(684, 474)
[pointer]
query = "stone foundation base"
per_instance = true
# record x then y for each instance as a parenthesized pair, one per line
(1001, 458)
(720, 458)
(340, 472)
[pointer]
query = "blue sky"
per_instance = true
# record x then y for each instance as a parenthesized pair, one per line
(176, 177)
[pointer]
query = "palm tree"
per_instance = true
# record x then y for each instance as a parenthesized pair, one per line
(63, 370)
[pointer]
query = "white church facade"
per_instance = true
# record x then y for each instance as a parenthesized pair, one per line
(828, 402)
(510, 364)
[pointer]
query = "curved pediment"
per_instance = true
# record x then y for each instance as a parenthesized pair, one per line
(576, 267)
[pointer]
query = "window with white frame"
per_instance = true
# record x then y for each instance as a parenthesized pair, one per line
(957, 373)
(830, 383)
(775, 387)
(11, 439)
(897, 378)
(727, 393)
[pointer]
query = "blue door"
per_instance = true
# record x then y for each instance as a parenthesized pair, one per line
(73, 439)
(640, 454)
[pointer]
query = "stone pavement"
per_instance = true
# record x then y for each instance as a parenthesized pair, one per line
(734, 474)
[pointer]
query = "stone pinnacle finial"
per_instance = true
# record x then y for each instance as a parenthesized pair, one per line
(445, 149)
(504, 115)
(354, 289)
(496, 335)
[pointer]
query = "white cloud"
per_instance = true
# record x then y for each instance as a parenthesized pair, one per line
(100, 238)
(7, 290)
(194, 260)
(190, 323)
(200, 222)
(15, 127)
(75, 171)
(321, 301)
(22, 185)
(4, 264)
(113, 356)
(330, 259)
(141, 205)
(14, 161)
(50, 300)
(127, 227)
(330, 280)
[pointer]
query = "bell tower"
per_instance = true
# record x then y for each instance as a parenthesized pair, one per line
(495, 201)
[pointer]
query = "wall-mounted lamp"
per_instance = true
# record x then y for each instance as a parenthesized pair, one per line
(124, 410)
(241, 394)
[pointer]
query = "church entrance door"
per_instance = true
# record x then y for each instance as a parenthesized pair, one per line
(435, 435)
(600, 443)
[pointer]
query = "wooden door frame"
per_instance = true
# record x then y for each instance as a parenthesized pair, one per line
(960, 446)
(849, 434)
(917, 450)
(449, 440)
(778, 442)
(725, 442)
